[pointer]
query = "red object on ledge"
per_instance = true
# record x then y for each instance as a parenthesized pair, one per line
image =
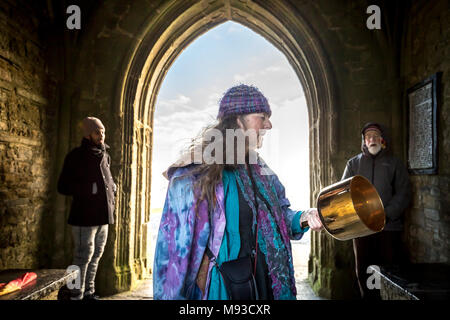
(18, 283)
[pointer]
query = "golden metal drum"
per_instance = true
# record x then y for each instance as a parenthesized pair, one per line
(351, 208)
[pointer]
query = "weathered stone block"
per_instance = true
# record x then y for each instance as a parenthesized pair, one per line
(431, 202)
(432, 214)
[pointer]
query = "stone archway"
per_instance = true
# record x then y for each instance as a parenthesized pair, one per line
(127, 50)
(178, 24)
(52, 77)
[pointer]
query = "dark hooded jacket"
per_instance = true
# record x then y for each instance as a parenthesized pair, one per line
(87, 177)
(389, 176)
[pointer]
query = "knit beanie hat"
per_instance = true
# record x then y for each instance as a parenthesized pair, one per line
(90, 124)
(372, 126)
(376, 127)
(243, 99)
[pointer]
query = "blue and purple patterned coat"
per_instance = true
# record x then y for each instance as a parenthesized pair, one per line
(183, 234)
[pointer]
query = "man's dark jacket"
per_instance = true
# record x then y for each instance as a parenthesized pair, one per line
(85, 166)
(389, 176)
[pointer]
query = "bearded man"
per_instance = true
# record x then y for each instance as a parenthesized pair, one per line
(390, 178)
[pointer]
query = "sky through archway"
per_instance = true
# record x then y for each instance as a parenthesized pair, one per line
(227, 55)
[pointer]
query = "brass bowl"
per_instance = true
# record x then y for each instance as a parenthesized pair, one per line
(351, 208)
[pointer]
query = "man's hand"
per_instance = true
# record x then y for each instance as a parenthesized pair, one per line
(312, 217)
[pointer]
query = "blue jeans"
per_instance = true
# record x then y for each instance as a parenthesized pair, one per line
(89, 243)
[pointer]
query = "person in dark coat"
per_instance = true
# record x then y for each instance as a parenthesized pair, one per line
(391, 180)
(86, 176)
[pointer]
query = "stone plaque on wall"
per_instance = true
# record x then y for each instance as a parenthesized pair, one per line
(422, 128)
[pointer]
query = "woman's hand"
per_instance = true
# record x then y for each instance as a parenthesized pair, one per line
(312, 217)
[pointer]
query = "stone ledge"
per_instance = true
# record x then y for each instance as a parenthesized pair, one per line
(420, 281)
(47, 283)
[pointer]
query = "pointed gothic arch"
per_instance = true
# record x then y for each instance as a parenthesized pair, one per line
(161, 41)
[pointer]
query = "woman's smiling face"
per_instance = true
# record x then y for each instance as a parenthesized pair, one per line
(259, 122)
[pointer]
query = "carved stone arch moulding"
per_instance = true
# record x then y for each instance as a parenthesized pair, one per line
(179, 23)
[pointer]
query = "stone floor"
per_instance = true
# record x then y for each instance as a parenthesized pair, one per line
(143, 291)
(300, 253)
(300, 249)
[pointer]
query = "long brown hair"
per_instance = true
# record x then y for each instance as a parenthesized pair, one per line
(210, 174)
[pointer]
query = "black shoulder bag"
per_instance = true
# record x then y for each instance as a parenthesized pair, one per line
(239, 274)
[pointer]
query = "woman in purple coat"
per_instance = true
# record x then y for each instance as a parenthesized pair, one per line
(223, 203)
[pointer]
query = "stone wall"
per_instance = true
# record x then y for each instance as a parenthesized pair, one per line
(39, 113)
(368, 89)
(427, 51)
(27, 136)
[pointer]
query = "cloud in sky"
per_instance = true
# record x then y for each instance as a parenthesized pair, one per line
(188, 100)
